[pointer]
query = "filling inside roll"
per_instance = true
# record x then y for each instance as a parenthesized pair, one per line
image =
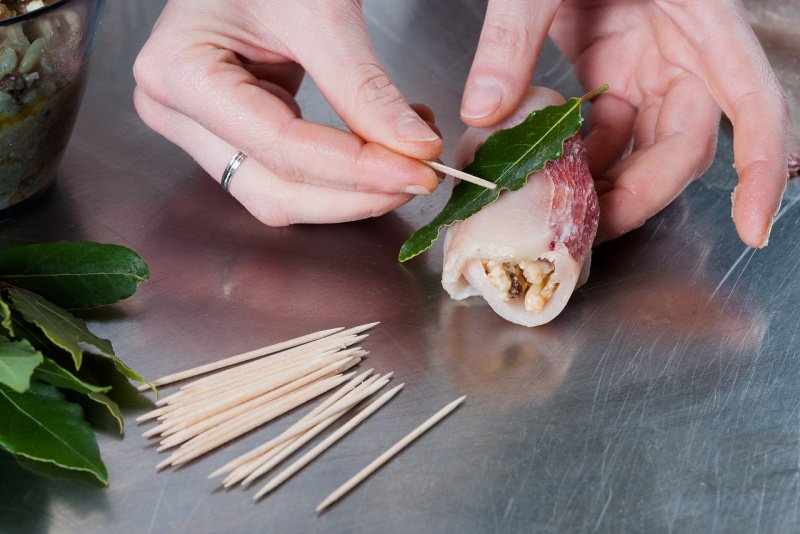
(530, 280)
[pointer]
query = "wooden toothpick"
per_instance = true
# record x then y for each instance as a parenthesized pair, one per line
(265, 467)
(177, 432)
(221, 434)
(259, 451)
(460, 174)
(388, 455)
(324, 445)
(245, 356)
(257, 353)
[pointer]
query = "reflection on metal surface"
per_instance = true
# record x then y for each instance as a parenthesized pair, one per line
(501, 363)
(672, 296)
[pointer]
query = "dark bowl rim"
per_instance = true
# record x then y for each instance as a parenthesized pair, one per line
(33, 14)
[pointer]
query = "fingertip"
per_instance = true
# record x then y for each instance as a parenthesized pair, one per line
(416, 190)
(483, 96)
(426, 182)
(755, 201)
(410, 128)
(416, 138)
(753, 220)
(511, 38)
(483, 106)
(409, 175)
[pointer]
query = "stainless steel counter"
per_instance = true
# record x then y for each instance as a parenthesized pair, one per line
(666, 397)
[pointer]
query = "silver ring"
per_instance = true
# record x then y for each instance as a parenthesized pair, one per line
(233, 164)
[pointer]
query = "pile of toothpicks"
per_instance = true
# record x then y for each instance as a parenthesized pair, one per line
(244, 392)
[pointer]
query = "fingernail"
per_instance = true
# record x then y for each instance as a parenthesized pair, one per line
(416, 190)
(765, 241)
(414, 129)
(770, 224)
(482, 98)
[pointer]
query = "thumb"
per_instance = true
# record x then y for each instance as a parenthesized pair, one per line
(510, 42)
(342, 62)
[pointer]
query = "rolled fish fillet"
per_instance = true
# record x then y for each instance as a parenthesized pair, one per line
(526, 253)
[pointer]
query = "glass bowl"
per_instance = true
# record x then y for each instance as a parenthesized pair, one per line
(44, 57)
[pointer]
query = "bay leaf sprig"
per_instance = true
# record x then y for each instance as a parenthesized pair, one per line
(507, 158)
(55, 374)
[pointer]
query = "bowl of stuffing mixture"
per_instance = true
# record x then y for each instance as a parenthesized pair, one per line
(45, 46)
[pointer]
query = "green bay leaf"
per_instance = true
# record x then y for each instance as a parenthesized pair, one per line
(48, 470)
(61, 327)
(100, 402)
(52, 373)
(102, 412)
(74, 274)
(101, 370)
(97, 374)
(6, 327)
(507, 158)
(18, 361)
(40, 425)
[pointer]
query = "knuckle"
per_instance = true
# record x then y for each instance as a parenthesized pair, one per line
(276, 153)
(145, 68)
(151, 73)
(373, 85)
(505, 35)
(341, 12)
(364, 160)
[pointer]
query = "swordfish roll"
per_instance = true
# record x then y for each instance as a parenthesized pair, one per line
(526, 253)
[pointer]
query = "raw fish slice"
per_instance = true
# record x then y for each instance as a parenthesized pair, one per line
(526, 253)
(777, 25)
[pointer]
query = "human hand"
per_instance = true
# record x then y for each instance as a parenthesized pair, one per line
(670, 65)
(217, 77)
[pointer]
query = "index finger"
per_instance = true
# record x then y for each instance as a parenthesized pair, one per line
(210, 86)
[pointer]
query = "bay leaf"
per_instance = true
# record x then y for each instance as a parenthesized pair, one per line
(507, 158)
(100, 370)
(102, 412)
(65, 330)
(6, 328)
(61, 327)
(99, 408)
(48, 470)
(31, 333)
(40, 425)
(52, 373)
(18, 361)
(74, 274)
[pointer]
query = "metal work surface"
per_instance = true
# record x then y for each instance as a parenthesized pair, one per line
(664, 398)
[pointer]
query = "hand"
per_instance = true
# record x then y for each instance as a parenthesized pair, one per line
(217, 76)
(670, 65)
